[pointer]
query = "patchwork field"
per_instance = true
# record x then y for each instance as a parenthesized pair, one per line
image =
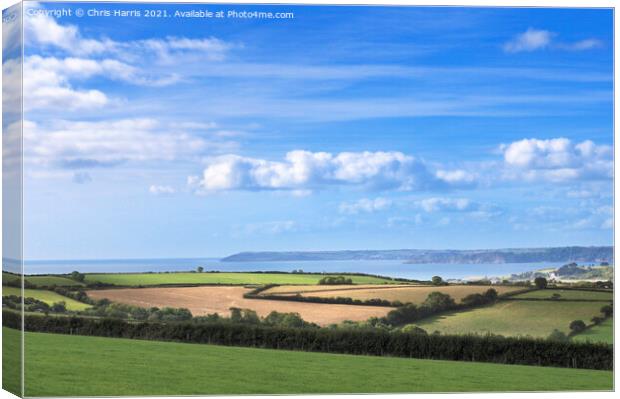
(404, 293)
(135, 368)
(604, 332)
(567, 294)
(43, 280)
(129, 279)
(206, 300)
(46, 296)
(514, 318)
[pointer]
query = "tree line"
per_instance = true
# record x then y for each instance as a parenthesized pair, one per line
(489, 348)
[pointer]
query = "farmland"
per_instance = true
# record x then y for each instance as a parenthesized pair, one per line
(601, 333)
(403, 293)
(567, 295)
(206, 300)
(513, 318)
(131, 367)
(131, 279)
(44, 280)
(46, 296)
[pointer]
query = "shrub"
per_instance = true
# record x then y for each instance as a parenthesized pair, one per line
(339, 280)
(577, 326)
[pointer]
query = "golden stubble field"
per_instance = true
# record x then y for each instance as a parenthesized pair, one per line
(207, 300)
(403, 293)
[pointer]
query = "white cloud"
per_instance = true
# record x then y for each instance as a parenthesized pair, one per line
(79, 145)
(456, 177)
(304, 170)
(586, 44)
(161, 190)
(530, 40)
(557, 160)
(11, 87)
(45, 30)
(366, 205)
(538, 39)
(437, 204)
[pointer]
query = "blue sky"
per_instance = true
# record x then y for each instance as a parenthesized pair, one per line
(343, 128)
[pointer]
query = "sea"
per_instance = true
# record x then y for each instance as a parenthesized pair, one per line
(391, 268)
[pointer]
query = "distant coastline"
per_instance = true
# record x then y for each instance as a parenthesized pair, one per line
(580, 254)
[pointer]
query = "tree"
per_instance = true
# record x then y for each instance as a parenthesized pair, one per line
(437, 280)
(577, 326)
(490, 294)
(607, 310)
(438, 301)
(540, 282)
(77, 276)
(200, 269)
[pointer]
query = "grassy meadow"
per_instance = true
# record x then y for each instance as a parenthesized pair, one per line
(133, 367)
(604, 332)
(567, 294)
(46, 296)
(45, 280)
(514, 318)
(133, 279)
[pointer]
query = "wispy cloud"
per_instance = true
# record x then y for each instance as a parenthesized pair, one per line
(539, 39)
(365, 205)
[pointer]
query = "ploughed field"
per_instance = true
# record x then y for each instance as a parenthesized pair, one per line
(58, 365)
(403, 293)
(134, 279)
(207, 300)
(514, 318)
(49, 297)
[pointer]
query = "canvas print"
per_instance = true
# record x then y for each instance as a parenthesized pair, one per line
(223, 199)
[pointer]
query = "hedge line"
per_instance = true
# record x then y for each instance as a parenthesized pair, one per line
(495, 349)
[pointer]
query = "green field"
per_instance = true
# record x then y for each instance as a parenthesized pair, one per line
(48, 297)
(513, 318)
(42, 280)
(566, 294)
(219, 278)
(604, 332)
(63, 365)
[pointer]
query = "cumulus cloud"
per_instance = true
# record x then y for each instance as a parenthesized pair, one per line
(539, 39)
(365, 205)
(305, 170)
(161, 190)
(82, 145)
(557, 160)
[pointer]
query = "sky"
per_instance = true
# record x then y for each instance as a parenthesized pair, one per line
(339, 128)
